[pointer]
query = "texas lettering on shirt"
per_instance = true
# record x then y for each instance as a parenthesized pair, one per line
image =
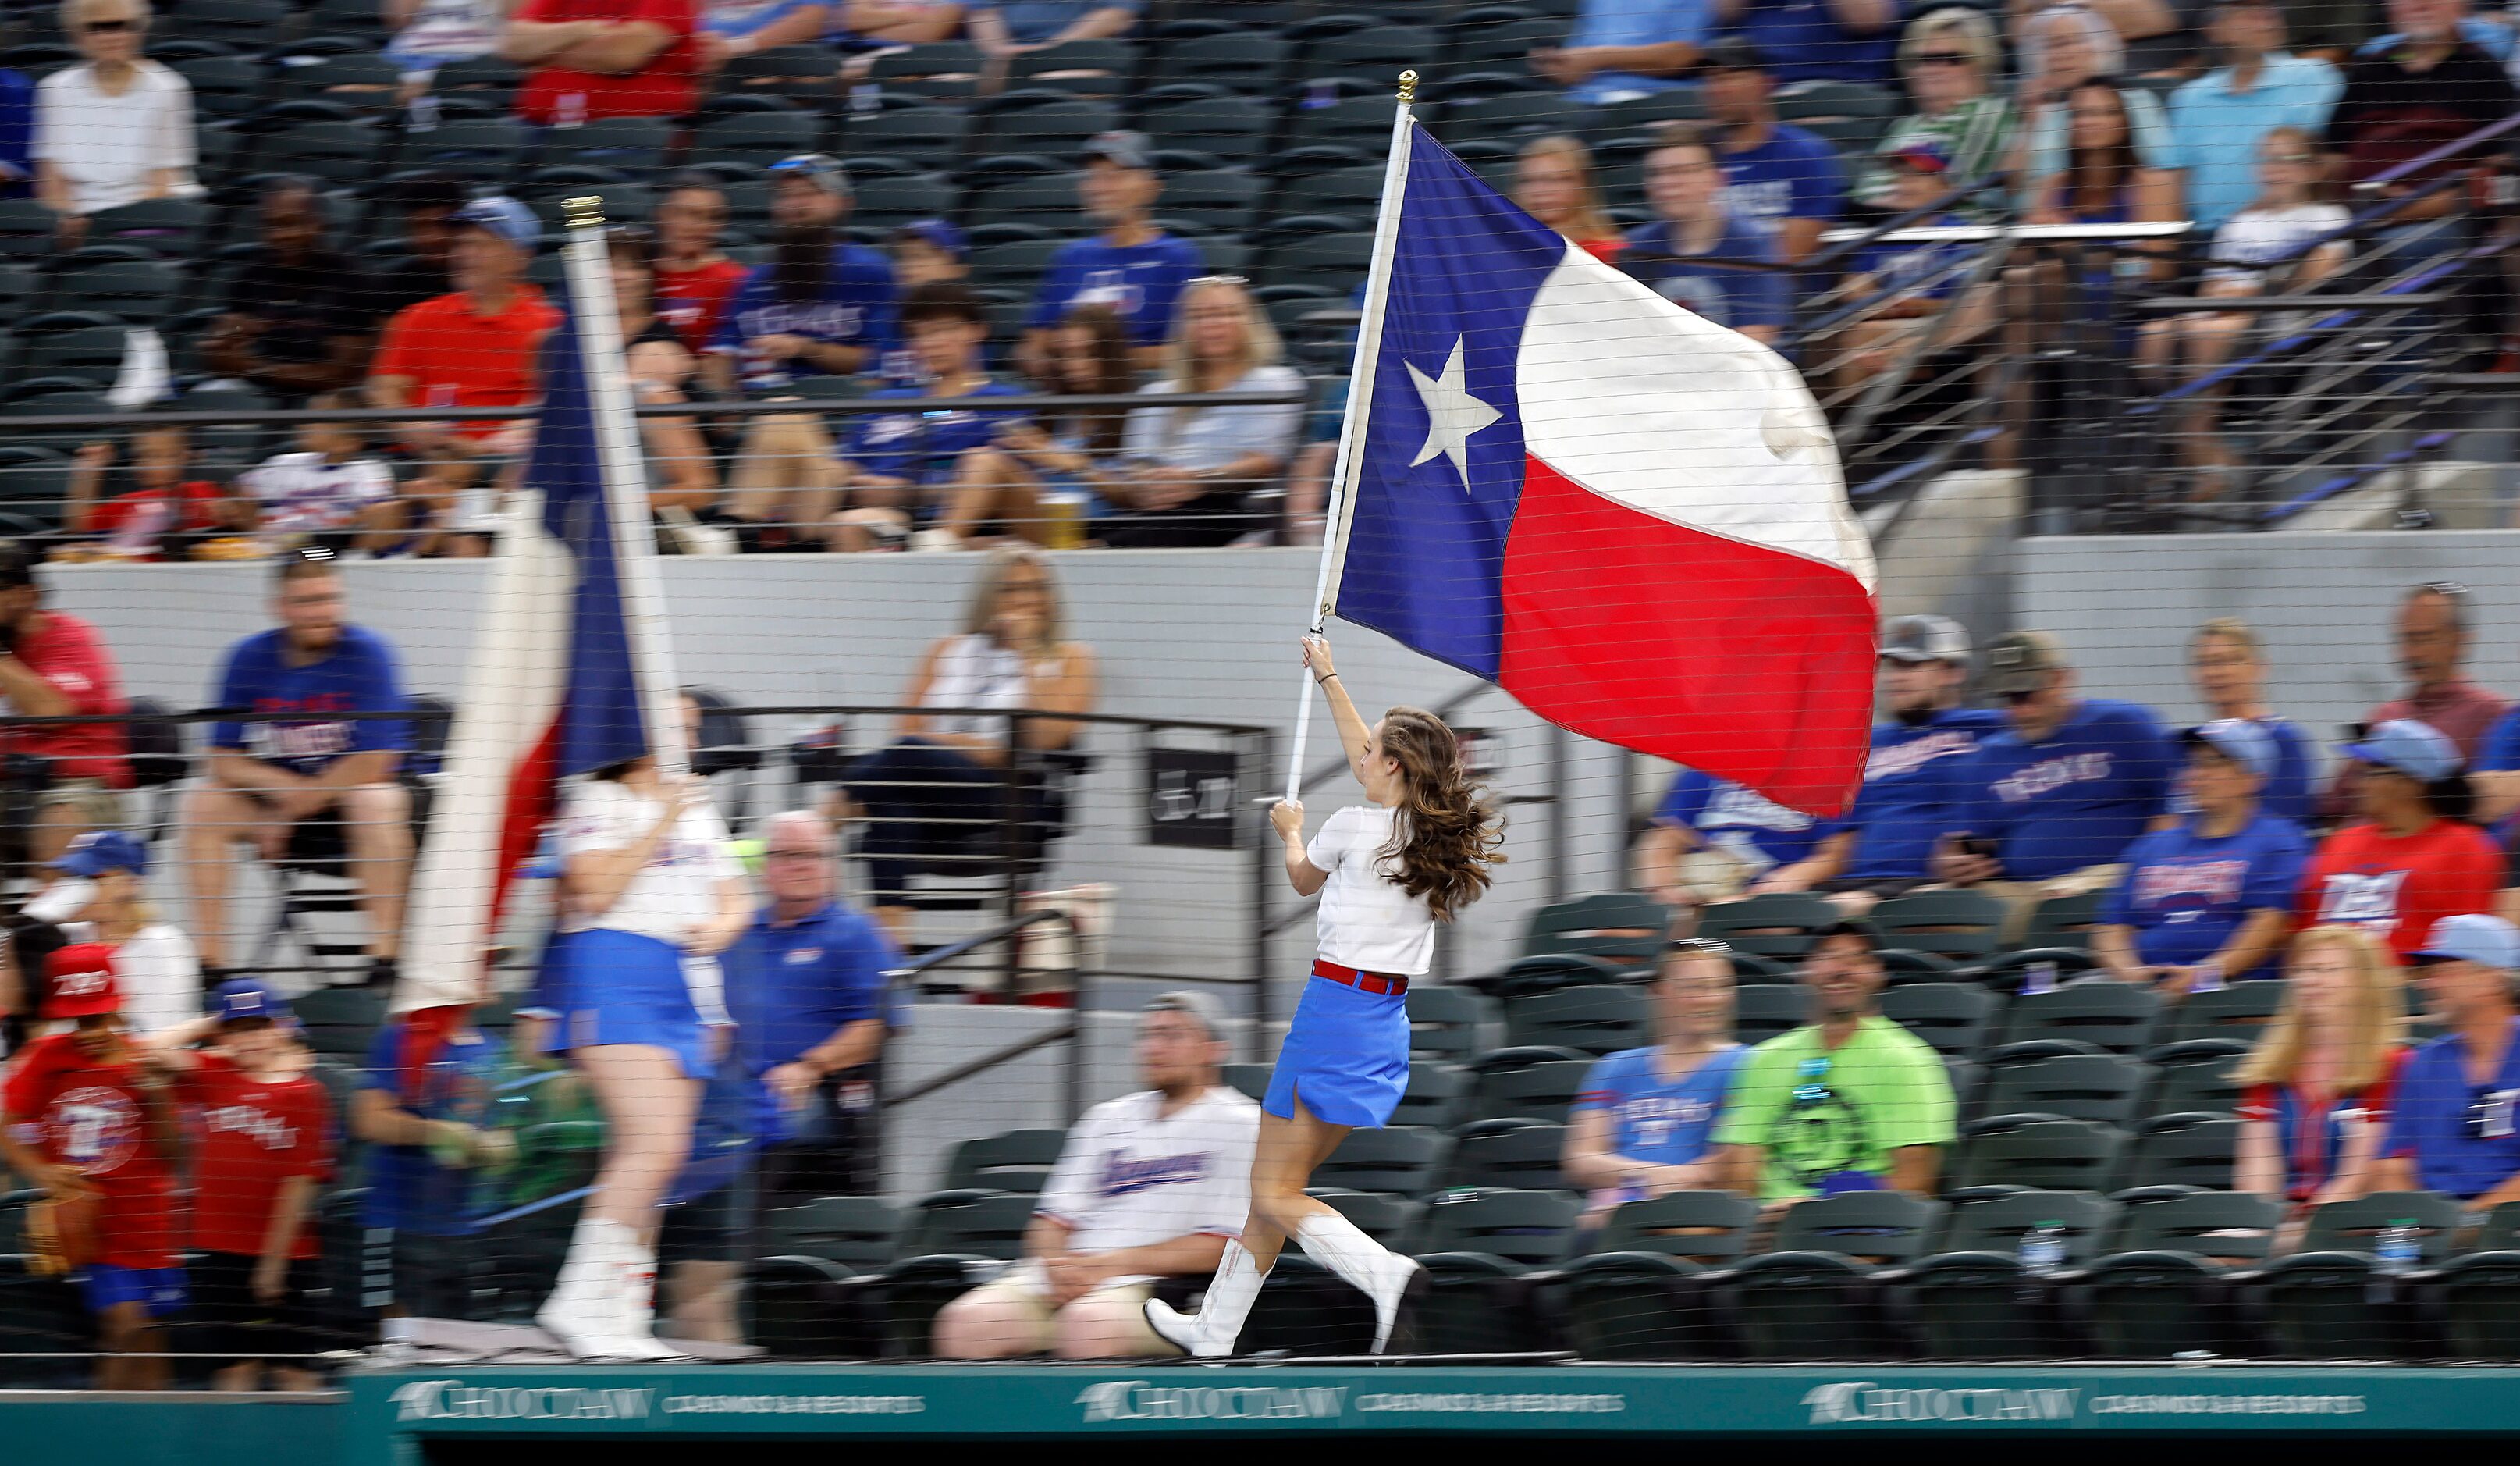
(2186, 891)
(2363, 901)
(2050, 774)
(1891, 760)
(1125, 1174)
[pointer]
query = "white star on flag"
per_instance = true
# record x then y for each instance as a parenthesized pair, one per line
(1452, 414)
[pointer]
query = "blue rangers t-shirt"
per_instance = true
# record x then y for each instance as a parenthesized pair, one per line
(1914, 788)
(856, 311)
(407, 1189)
(2076, 799)
(1141, 283)
(923, 448)
(1742, 822)
(1733, 299)
(1658, 1121)
(1792, 175)
(359, 673)
(2185, 893)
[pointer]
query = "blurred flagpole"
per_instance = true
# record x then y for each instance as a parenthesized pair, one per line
(1360, 395)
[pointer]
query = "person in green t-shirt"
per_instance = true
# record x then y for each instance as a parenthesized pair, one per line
(550, 1119)
(1852, 1102)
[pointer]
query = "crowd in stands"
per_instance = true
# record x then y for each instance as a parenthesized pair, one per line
(347, 209)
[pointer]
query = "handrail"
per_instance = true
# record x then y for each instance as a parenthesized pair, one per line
(954, 950)
(1974, 234)
(2449, 149)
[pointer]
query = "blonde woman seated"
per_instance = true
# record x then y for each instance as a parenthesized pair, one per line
(2321, 1077)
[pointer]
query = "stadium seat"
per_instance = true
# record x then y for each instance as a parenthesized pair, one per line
(1549, 971)
(2063, 921)
(224, 87)
(1704, 1226)
(1017, 263)
(246, 25)
(1535, 1083)
(637, 144)
(26, 228)
(89, 354)
(1518, 1154)
(1303, 1308)
(927, 137)
(1810, 1299)
(1621, 927)
(1436, 1097)
(139, 291)
(483, 79)
(1961, 925)
(2101, 1011)
(2469, 1307)
(1475, 1247)
(1972, 1298)
(1363, 122)
(480, 150)
(1761, 1013)
(40, 1317)
(1497, 37)
(1849, 115)
(1379, 1214)
(946, 71)
(2193, 1076)
(1251, 1080)
(1630, 1305)
(1751, 969)
(886, 204)
(2237, 1011)
(2329, 1301)
(339, 154)
(1208, 203)
(362, 79)
(2018, 968)
(1018, 1161)
(1902, 965)
(1952, 1017)
(1374, 54)
(976, 1222)
(1239, 61)
(2181, 1150)
(2100, 1087)
(170, 228)
(799, 1306)
(858, 1232)
(1043, 200)
(758, 139)
(1348, 195)
(341, 1021)
(1097, 67)
(1778, 925)
(2227, 1227)
(1449, 1023)
(1399, 1161)
(1595, 1019)
(2043, 1155)
(355, 19)
(1035, 120)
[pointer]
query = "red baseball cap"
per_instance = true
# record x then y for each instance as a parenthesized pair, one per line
(82, 985)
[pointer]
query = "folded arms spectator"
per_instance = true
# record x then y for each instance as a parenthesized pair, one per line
(2321, 1078)
(307, 785)
(1129, 265)
(1620, 49)
(2411, 859)
(1645, 1122)
(592, 59)
(2454, 1128)
(1188, 471)
(1685, 187)
(68, 777)
(1150, 1186)
(117, 128)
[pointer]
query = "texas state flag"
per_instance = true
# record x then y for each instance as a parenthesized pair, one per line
(1629, 517)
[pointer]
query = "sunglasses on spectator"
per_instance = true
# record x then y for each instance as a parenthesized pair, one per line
(1943, 59)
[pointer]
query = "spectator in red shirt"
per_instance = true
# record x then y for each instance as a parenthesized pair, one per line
(472, 348)
(2413, 858)
(596, 59)
(169, 504)
(84, 1118)
(2432, 635)
(695, 280)
(262, 1141)
(53, 665)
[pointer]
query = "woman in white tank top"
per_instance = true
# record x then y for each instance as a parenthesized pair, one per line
(950, 767)
(1387, 871)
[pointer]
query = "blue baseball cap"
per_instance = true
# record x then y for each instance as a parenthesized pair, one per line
(2419, 750)
(820, 169)
(241, 999)
(96, 852)
(2486, 941)
(502, 217)
(2237, 739)
(1924, 153)
(937, 234)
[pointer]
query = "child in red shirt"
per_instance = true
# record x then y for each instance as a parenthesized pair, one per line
(136, 526)
(262, 1130)
(82, 1116)
(2403, 867)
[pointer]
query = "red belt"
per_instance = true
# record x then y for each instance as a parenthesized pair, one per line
(1385, 982)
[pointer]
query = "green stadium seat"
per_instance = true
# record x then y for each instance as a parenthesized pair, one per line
(858, 1232)
(1449, 1023)
(1437, 1096)
(341, 1021)
(2101, 1011)
(1704, 1226)
(2329, 1301)
(481, 150)
(1778, 925)
(1251, 1080)
(1097, 67)
(941, 70)
(1515, 1154)
(1902, 965)
(1379, 1214)
(1208, 203)
(1303, 1308)
(2043, 1155)
(2063, 921)
(1497, 37)
(1622, 928)
(1018, 1161)
(1765, 1010)
(2016, 969)
(1595, 1019)
(339, 154)
(2098, 1087)
(637, 146)
(2194, 1076)
(224, 87)
(363, 80)
(1361, 122)
(977, 1222)
(1475, 1247)
(249, 26)
(1961, 925)
(1036, 121)
(1537, 1083)
(1239, 61)
(1952, 1017)
(927, 137)
(1396, 1160)
(2182, 1150)
(2237, 1011)
(1810, 1298)
(1633, 1305)
(1374, 54)
(1972, 1299)
(2229, 1226)
(799, 1306)
(484, 77)
(170, 228)
(886, 204)
(2470, 1305)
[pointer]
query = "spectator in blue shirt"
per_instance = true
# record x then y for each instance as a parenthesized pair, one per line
(311, 786)
(423, 1106)
(1906, 286)
(2055, 801)
(904, 469)
(1714, 840)
(1913, 779)
(1819, 40)
(1785, 180)
(2229, 668)
(2454, 1129)
(16, 134)
(1011, 27)
(1619, 49)
(1129, 265)
(1644, 1122)
(808, 987)
(821, 307)
(2210, 898)
(2218, 121)
(1685, 188)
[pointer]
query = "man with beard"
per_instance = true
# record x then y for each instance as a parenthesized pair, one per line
(1912, 792)
(822, 306)
(1130, 266)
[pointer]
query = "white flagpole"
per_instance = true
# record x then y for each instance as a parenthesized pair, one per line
(1360, 395)
(624, 466)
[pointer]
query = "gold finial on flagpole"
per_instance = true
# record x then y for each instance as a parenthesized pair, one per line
(586, 212)
(1407, 87)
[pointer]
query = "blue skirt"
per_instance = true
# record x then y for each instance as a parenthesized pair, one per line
(620, 988)
(1346, 1054)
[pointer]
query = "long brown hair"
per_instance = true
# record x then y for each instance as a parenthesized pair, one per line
(1444, 833)
(1100, 428)
(2379, 1017)
(2096, 176)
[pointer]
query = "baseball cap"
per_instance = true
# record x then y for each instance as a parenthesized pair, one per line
(2487, 941)
(820, 170)
(1914, 639)
(81, 983)
(1733, 53)
(1130, 150)
(504, 217)
(96, 852)
(2021, 661)
(1851, 926)
(2237, 739)
(1208, 1009)
(241, 999)
(2403, 745)
(1924, 153)
(937, 234)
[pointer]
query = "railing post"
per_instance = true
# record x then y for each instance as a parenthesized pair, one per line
(1258, 953)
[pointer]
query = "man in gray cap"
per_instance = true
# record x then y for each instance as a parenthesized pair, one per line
(1911, 779)
(1150, 1186)
(1129, 265)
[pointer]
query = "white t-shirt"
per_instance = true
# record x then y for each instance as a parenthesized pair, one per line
(1365, 921)
(445, 31)
(1131, 1175)
(105, 147)
(677, 890)
(160, 978)
(307, 493)
(2254, 236)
